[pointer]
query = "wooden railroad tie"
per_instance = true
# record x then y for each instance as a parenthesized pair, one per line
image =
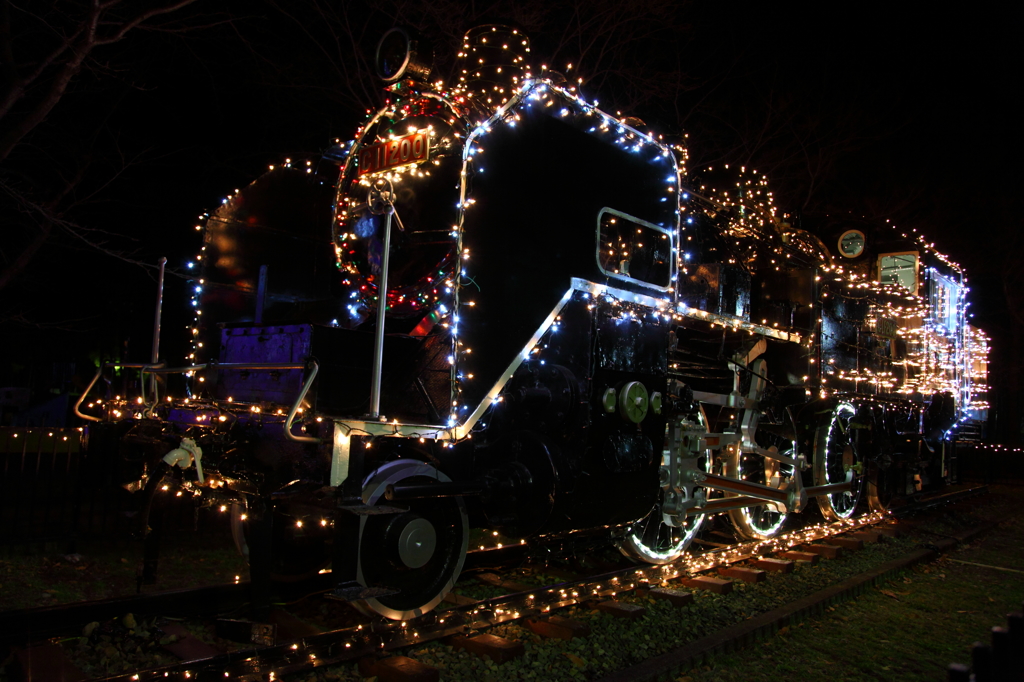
(868, 536)
(747, 575)
(703, 582)
(498, 649)
(773, 565)
(405, 669)
(805, 557)
(187, 648)
(46, 662)
(852, 544)
(827, 551)
(676, 598)
(889, 531)
(621, 609)
(557, 627)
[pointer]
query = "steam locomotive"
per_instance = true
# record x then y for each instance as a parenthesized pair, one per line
(502, 311)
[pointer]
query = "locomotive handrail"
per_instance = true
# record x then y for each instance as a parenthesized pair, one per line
(295, 408)
(95, 378)
(158, 368)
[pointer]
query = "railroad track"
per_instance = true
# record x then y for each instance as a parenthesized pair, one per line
(293, 649)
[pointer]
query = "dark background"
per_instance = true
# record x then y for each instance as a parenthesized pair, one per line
(890, 113)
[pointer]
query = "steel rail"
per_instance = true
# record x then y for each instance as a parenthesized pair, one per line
(352, 643)
(49, 621)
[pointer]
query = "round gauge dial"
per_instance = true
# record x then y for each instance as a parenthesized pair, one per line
(851, 244)
(633, 402)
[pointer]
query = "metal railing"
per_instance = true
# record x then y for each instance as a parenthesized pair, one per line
(155, 369)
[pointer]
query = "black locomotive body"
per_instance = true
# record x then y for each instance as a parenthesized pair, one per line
(579, 337)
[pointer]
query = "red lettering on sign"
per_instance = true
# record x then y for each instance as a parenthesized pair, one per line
(412, 148)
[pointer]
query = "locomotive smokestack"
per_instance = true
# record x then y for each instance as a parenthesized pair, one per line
(492, 63)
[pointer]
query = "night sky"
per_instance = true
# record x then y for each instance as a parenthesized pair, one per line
(883, 112)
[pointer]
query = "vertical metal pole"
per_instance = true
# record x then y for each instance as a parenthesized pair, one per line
(382, 304)
(155, 356)
(261, 294)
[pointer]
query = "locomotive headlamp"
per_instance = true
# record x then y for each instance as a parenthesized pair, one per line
(381, 197)
(402, 54)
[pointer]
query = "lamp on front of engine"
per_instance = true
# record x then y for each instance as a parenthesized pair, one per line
(403, 54)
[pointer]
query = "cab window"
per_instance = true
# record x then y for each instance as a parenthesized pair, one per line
(899, 268)
(629, 248)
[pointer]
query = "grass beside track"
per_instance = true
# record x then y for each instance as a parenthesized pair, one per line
(909, 629)
(103, 572)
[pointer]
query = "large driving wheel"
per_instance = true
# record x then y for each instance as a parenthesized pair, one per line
(836, 460)
(882, 474)
(767, 519)
(881, 487)
(655, 539)
(419, 552)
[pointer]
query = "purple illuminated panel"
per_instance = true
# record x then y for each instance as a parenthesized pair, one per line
(266, 344)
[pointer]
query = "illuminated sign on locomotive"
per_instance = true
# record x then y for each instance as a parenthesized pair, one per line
(399, 151)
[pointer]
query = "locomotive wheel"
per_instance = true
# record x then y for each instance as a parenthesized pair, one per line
(419, 552)
(881, 487)
(650, 539)
(299, 545)
(836, 460)
(763, 520)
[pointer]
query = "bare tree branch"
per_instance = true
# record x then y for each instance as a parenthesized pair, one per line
(79, 45)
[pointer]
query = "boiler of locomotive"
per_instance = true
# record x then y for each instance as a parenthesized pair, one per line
(413, 148)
